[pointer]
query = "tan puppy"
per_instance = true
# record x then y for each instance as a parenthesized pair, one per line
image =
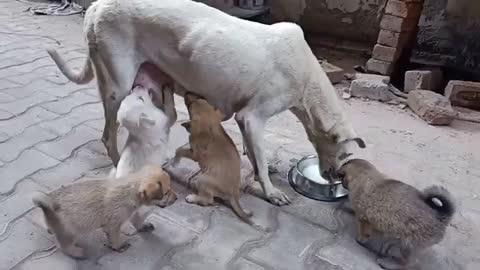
(107, 203)
(216, 155)
(410, 220)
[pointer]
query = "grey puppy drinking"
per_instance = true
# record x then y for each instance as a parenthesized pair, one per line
(410, 220)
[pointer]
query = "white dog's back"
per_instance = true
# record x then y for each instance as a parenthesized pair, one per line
(148, 130)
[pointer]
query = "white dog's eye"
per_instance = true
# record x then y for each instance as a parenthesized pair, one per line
(141, 98)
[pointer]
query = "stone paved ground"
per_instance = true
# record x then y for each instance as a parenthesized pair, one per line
(50, 131)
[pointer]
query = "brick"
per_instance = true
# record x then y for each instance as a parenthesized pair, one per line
(334, 73)
(431, 79)
(384, 53)
(433, 108)
(375, 77)
(64, 147)
(22, 105)
(65, 105)
(56, 260)
(27, 163)
(212, 251)
(77, 116)
(20, 202)
(378, 66)
(393, 39)
(16, 125)
(10, 150)
(397, 24)
(464, 94)
(403, 9)
(6, 84)
(147, 252)
(23, 239)
(74, 168)
(371, 89)
(293, 252)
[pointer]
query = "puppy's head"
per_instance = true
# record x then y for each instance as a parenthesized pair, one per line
(355, 170)
(156, 185)
(137, 110)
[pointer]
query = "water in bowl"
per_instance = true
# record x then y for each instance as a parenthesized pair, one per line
(313, 173)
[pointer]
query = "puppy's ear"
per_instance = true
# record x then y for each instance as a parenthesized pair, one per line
(186, 125)
(146, 121)
(148, 191)
(219, 114)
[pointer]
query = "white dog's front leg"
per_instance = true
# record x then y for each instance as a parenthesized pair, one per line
(169, 106)
(252, 129)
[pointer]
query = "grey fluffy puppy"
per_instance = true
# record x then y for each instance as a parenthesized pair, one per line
(79, 208)
(409, 220)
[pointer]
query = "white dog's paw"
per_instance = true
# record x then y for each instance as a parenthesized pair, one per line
(278, 197)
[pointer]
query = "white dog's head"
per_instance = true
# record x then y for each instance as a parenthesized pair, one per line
(137, 112)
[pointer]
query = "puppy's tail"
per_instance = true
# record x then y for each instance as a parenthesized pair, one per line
(49, 208)
(84, 76)
(245, 216)
(440, 199)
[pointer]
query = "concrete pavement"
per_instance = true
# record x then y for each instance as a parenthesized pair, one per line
(50, 133)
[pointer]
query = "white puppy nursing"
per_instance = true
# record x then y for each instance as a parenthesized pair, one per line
(148, 130)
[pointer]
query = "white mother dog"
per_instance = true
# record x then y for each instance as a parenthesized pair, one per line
(242, 67)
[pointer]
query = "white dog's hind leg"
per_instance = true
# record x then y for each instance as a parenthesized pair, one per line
(252, 128)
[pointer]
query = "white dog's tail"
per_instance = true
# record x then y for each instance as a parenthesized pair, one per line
(82, 77)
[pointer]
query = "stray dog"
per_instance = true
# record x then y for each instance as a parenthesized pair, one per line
(216, 155)
(80, 208)
(148, 130)
(410, 220)
(252, 70)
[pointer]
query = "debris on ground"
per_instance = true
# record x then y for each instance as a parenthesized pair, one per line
(366, 76)
(426, 79)
(371, 89)
(66, 7)
(464, 94)
(433, 108)
(466, 114)
(334, 73)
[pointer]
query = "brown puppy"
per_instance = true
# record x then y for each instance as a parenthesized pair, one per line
(410, 220)
(216, 155)
(107, 203)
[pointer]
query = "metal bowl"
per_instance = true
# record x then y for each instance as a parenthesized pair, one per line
(314, 187)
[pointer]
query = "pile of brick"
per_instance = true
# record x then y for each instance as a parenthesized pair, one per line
(436, 109)
(397, 28)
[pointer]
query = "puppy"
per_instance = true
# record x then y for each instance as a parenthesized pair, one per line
(216, 155)
(410, 220)
(148, 130)
(80, 208)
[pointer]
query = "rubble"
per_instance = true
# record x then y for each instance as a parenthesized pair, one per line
(334, 73)
(464, 94)
(426, 79)
(371, 89)
(366, 76)
(379, 66)
(465, 114)
(433, 108)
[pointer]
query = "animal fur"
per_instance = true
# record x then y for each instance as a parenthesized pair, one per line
(216, 155)
(79, 208)
(148, 130)
(409, 219)
(252, 70)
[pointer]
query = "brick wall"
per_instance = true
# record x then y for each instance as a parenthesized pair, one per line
(398, 28)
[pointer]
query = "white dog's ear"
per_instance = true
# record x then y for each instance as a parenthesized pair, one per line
(145, 121)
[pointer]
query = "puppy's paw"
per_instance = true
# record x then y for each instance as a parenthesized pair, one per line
(75, 252)
(278, 197)
(121, 248)
(147, 227)
(391, 263)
